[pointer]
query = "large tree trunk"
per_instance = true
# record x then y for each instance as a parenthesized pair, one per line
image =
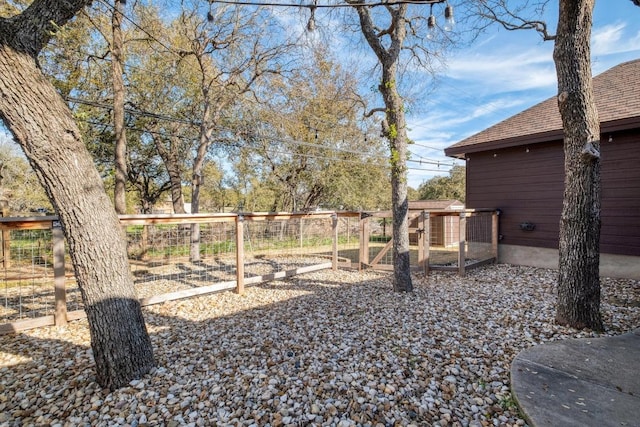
(175, 178)
(120, 158)
(40, 121)
(579, 283)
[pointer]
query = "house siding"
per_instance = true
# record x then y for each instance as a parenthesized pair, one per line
(525, 186)
(526, 183)
(620, 232)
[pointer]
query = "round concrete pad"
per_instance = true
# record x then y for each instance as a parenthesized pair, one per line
(580, 382)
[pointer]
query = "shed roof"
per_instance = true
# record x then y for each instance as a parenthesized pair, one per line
(433, 205)
(617, 93)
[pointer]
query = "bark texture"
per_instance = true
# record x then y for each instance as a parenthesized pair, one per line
(579, 283)
(117, 69)
(172, 160)
(43, 125)
(395, 130)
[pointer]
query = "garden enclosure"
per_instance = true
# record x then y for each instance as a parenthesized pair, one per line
(179, 256)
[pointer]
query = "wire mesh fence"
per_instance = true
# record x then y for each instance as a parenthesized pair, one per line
(441, 239)
(27, 267)
(175, 256)
(172, 255)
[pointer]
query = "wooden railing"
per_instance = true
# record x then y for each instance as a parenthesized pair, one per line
(38, 287)
(440, 240)
(232, 248)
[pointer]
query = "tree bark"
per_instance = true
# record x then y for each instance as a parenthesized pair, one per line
(43, 125)
(578, 303)
(120, 157)
(170, 158)
(396, 133)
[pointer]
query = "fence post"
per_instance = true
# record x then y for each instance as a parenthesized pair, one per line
(334, 249)
(240, 254)
(419, 239)
(426, 240)
(6, 237)
(57, 235)
(363, 256)
(301, 232)
(494, 234)
(6, 248)
(463, 244)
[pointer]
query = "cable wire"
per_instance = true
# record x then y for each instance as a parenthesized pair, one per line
(331, 6)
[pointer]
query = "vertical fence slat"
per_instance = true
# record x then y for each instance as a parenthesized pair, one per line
(58, 273)
(6, 249)
(364, 242)
(420, 240)
(426, 240)
(462, 249)
(6, 237)
(334, 248)
(494, 234)
(240, 254)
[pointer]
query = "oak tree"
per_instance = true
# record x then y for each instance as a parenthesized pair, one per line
(389, 29)
(578, 303)
(43, 125)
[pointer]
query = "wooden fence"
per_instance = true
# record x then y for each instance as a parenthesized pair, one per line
(439, 240)
(232, 251)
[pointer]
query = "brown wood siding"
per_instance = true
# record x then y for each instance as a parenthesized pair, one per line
(527, 186)
(620, 233)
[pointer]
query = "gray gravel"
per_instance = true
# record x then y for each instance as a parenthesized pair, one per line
(324, 349)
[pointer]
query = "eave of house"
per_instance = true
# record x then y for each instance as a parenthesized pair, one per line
(536, 138)
(617, 94)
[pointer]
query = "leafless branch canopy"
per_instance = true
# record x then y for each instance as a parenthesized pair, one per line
(514, 16)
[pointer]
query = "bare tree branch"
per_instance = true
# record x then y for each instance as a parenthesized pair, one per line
(512, 19)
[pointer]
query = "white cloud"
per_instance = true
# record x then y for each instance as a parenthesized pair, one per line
(611, 39)
(443, 125)
(506, 70)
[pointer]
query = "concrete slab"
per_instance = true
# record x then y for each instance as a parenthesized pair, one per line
(580, 382)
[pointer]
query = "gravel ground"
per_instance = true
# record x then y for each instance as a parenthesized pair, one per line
(324, 349)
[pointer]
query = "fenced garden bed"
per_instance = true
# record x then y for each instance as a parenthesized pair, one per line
(179, 256)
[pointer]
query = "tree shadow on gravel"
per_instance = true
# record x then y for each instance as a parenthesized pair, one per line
(318, 348)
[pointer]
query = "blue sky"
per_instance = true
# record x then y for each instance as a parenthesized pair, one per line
(503, 73)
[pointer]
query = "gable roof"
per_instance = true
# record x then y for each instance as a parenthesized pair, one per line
(617, 93)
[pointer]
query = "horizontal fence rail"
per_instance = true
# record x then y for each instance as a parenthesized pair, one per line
(440, 240)
(180, 256)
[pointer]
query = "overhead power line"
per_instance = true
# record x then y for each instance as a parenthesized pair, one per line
(327, 5)
(139, 27)
(132, 111)
(366, 161)
(261, 135)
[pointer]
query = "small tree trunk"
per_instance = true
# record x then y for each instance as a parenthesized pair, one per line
(194, 249)
(171, 161)
(42, 124)
(579, 248)
(396, 132)
(397, 136)
(120, 157)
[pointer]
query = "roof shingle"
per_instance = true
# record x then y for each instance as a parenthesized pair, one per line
(617, 93)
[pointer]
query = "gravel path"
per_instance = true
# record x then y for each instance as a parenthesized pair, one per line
(324, 349)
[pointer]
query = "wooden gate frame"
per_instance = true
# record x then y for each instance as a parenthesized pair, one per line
(424, 239)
